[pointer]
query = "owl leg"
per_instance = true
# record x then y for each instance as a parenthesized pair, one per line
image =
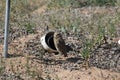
(65, 55)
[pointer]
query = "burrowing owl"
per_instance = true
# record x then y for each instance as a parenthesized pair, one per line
(60, 44)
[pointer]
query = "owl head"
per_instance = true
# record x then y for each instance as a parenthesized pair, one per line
(57, 35)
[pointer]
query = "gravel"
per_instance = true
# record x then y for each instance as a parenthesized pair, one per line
(106, 57)
(10, 76)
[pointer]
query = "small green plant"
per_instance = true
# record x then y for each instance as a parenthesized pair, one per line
(102, 2)
(2, 65)
(56, 4)
(101, 34)
(29, 28)
(87, 48)
(111, 30)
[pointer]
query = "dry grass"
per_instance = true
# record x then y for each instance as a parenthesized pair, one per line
(93, 22)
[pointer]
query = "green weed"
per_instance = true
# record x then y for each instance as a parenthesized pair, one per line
(57, 4)
(30, 28)
(2, 65)
(102, 2)
(87, 48)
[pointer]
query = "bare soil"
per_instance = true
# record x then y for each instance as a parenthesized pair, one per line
(23, 64)
(52, 65)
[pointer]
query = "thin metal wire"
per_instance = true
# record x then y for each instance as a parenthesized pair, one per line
(7, 14)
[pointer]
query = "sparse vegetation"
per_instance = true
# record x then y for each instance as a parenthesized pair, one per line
(2, 66)
(87, 48)
(91, 21)
(81, 3)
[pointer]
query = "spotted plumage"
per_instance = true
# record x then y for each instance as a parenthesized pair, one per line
(60, 44)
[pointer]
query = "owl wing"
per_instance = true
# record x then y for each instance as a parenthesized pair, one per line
(61, 47)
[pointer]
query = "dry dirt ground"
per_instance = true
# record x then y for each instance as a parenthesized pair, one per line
(20, 62)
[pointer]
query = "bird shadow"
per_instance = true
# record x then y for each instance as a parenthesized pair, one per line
(74, 59)
(68, 48)
(49, 61)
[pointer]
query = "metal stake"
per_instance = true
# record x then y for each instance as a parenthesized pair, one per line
(7, 14)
